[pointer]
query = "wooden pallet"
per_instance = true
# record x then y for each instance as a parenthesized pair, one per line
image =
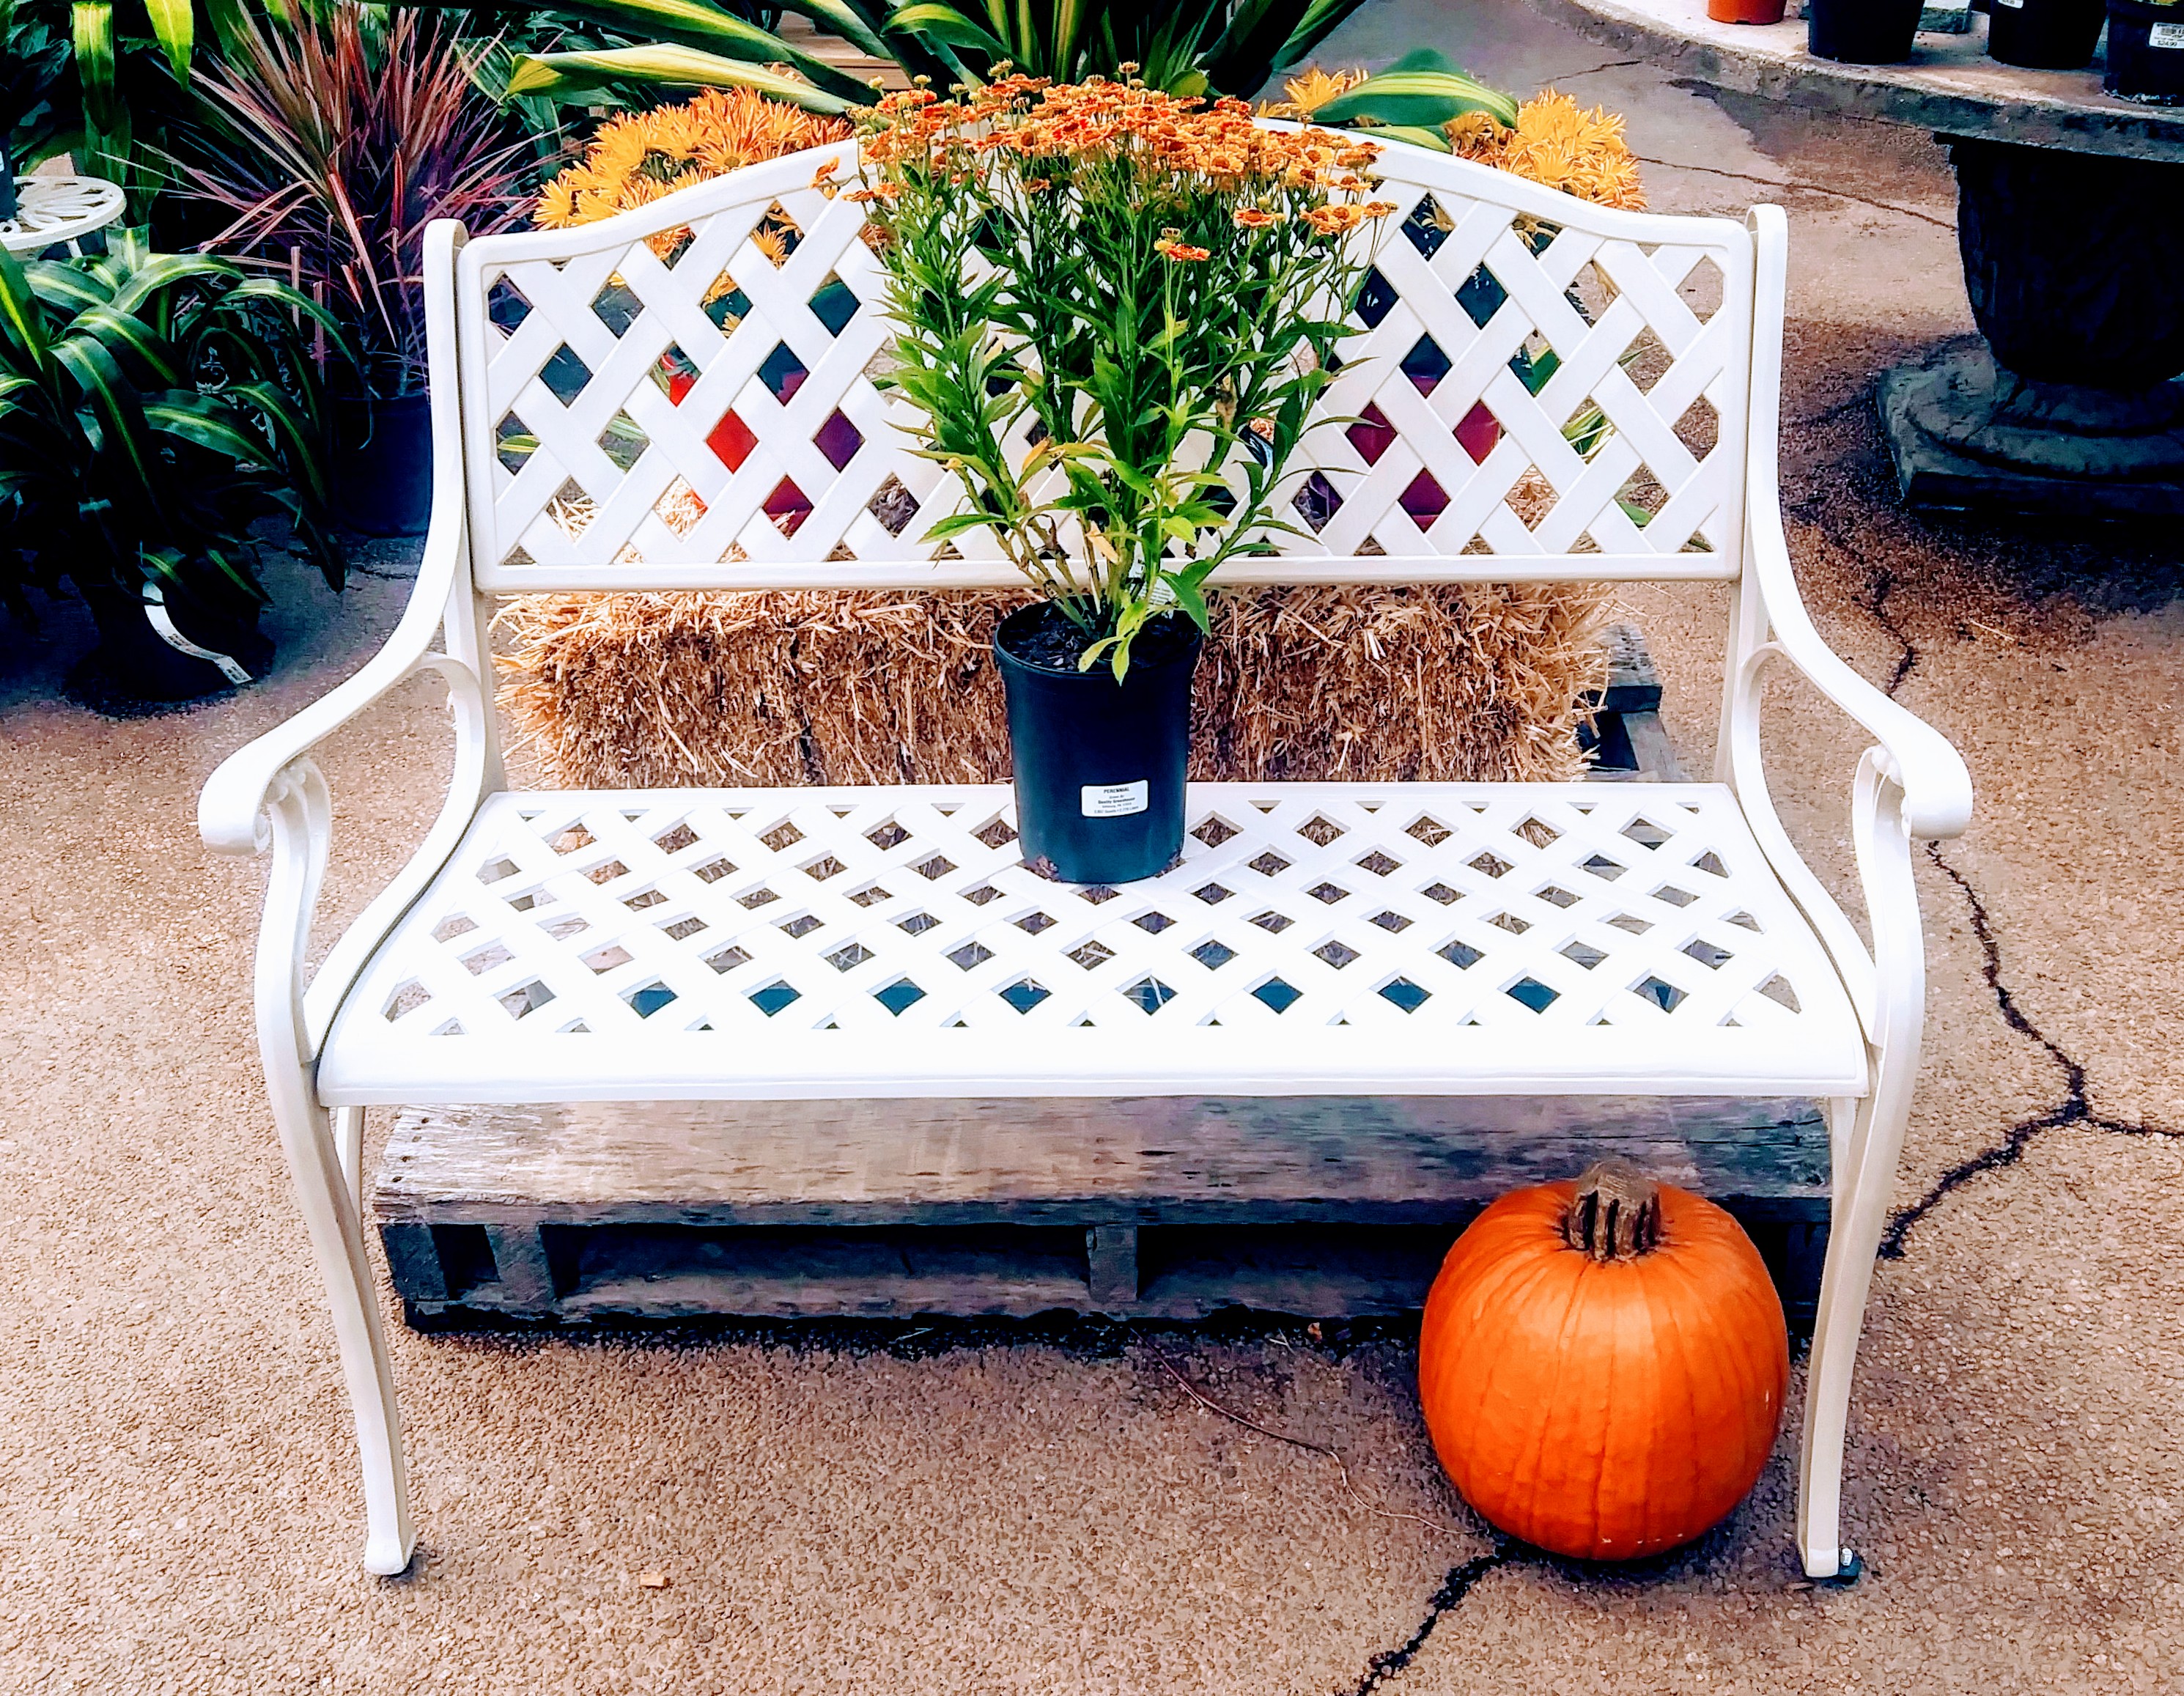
(1154, 1208)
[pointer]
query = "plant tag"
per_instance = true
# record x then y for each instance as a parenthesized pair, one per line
(1116, 801)
(2164, 34)
(2014, 5)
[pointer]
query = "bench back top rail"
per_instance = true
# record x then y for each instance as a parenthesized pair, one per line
(682, 397)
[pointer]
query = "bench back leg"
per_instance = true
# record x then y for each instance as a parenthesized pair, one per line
(323, 1173)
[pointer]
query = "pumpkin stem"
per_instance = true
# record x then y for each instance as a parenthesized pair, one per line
(1616, 1213)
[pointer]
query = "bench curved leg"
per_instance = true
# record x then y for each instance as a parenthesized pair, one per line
(1865, 1165)
(322, 1153)
(336, 1234)
(1860, 1214)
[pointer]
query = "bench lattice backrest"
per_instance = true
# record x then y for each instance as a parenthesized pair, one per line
(683, 398)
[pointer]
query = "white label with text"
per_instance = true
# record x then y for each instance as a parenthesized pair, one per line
(1116, 801)
(2164, 34)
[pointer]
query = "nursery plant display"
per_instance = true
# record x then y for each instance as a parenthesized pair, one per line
(1200, 46)
(2146, 51)
(328, 141)
(101, 81)
(1172, 282)
(33, 57)
(1603, 1364)
(153, 411)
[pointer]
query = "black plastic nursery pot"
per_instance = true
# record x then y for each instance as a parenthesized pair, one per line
(1098, 764)
(381, 475)
(1861, 31)
(2146, 52)
(2044, 35)
(135, 663)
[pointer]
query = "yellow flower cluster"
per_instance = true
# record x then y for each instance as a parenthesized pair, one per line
(1559, 144)
(642, 157)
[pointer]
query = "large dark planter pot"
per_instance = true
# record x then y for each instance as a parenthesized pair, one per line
(2044, 35)
(1098, 764)
(135, 664)
(2146, 52)
(7, 187)
(1861, 31)
(382, 469)
(2074, 262)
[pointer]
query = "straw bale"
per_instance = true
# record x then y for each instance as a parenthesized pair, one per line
(1367, 683)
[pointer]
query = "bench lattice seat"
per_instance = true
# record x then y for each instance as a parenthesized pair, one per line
(1416, 939)
(660, 402)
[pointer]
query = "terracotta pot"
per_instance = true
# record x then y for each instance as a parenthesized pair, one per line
(1745, 11)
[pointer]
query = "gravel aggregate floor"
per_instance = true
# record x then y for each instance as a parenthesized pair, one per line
(1056, 1513)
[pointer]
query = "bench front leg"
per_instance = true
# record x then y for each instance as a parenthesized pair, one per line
(1865, 1167)
(299, 809)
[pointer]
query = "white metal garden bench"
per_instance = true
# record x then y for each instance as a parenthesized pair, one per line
(1428, 939)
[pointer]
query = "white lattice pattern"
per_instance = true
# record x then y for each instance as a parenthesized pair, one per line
(694, 385)
(891, 941)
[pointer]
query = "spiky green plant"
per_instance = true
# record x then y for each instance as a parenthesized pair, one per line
(153, 410)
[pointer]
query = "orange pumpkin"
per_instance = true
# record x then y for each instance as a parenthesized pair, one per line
(1603, 1365)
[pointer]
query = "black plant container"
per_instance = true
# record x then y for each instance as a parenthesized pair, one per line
(382, 470)
(6, 183)
(134, 666)
(2044, 35)
(2146, 52)
(1861, 31)
(1098, 764)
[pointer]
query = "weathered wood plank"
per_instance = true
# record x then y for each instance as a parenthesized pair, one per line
(1387, 1160)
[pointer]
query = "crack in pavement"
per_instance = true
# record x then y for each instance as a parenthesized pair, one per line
(1454, 1588)
(2074, 1108)
(1796, 185)
(1595, 71)
(2077, 1106)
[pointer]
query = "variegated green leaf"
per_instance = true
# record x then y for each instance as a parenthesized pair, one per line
(664, 64)
(1423, 89)
(118, 331)
(174, 22)
(208, 423)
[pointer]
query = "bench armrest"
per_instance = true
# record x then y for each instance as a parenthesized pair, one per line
(1937, 787)
(231, 810)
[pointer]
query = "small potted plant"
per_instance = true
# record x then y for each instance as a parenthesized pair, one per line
(2146, 51)
(2044, 35)
(1169, 284)
(331, 139)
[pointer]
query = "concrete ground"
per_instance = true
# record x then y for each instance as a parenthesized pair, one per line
(937, 1514)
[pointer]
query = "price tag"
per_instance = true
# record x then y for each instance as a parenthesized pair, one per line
(1115, 800)
(2164, 34)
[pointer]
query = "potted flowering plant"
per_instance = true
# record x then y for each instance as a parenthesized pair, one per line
(1166, 287)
